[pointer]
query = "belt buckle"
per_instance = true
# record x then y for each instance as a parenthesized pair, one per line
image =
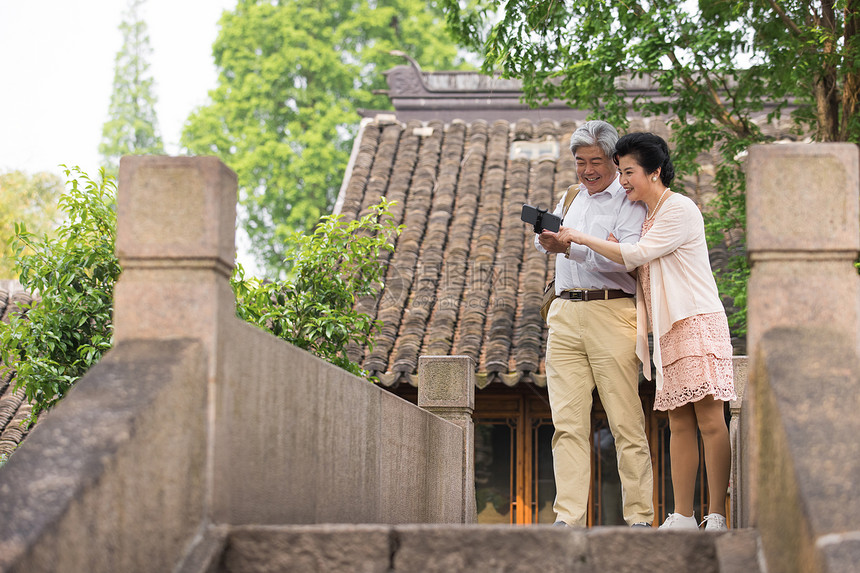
(577, 295)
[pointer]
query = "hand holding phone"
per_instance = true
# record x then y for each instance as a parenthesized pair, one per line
(540, 219)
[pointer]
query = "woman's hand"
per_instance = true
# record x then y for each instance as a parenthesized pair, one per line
(569, 235)
(608, 247)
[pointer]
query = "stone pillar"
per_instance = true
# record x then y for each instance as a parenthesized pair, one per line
(446, 387)
(802, 238)
(737, 486)
(176, 221)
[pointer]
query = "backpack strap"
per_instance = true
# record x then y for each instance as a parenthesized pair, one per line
(568, 199)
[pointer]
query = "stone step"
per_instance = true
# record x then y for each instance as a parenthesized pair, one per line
(439, 548)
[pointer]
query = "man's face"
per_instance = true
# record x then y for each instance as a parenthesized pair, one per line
(594, 169)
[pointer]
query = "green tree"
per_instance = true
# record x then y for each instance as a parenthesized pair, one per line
(132, 125)
(292, 74)
(717, 65)
(333, 266)
(56, 341)
(30, 200)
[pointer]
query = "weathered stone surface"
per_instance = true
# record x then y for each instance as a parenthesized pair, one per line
(794, 292)
(803, 208)
(621, 550)
(196, 417)
(446, 382)
(175, 240)
(206, 551)
(432, 491)
(803, 197)
(841, 553)
(808, 463)
(738, 551)
(802, 238)
(300, 441)
(108, 481)
(308, 549)
(484, 549)
(740, 364)
(176, 208)
(446, 387)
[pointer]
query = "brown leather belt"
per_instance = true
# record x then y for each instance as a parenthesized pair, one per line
(587, 295)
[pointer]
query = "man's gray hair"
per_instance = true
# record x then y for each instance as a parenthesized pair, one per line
(595, 132)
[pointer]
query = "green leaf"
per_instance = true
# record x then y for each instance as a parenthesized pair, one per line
(314, 310)
(45, 347)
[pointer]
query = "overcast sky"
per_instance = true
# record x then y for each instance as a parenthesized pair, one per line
(56, 77)
(57, 65)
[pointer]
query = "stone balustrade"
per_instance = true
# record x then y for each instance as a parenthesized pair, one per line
(799, 453)
(197, 422)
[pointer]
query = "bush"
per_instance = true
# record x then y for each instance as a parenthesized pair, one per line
(73, 273)
(331, 268)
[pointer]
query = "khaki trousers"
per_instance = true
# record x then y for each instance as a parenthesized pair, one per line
(592, 344)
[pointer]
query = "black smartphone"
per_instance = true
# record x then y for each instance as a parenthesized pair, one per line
(540, 219)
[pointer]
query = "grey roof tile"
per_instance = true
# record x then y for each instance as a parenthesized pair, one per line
(464, 277)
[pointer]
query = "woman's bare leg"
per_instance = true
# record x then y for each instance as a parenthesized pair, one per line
(710, 415)
(684, 452)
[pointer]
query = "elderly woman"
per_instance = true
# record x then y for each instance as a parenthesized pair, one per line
(677, 300)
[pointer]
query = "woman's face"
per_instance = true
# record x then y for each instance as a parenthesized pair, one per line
(637, 184)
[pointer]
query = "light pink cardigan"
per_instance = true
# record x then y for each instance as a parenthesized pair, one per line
(682, 283)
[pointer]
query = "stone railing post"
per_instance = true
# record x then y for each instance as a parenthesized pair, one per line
(176, 221)
(740, 364)
(446, 387)
(802, 238)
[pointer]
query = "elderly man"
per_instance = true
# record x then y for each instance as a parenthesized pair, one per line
(592, 336)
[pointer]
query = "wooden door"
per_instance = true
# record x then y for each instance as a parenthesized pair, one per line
(514, 480)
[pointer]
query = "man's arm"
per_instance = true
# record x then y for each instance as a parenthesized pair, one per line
(631, 215)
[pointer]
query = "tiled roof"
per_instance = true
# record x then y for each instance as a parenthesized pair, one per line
(14, 408)
(464, 278)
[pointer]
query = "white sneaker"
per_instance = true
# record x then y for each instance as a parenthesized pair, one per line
(715, 522)
(678, 521)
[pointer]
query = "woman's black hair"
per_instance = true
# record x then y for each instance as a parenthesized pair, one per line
(650, 151)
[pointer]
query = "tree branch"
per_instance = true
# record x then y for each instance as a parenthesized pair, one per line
(789, 23)
(720, 112)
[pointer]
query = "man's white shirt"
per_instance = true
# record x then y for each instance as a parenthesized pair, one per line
(599, 215)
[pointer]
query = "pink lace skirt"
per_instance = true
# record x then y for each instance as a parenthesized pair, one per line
(697, 361)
